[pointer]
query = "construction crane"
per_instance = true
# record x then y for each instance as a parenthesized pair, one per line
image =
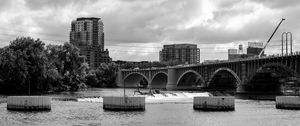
(262, 51)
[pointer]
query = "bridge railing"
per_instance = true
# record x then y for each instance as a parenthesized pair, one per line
(254, 57)
(137, 69)
(221, 61)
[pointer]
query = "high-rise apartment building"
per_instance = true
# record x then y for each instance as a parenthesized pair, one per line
(181, 53)
(87, 33)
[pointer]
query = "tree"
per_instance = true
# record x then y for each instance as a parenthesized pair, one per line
(172, 63)
(128, 65)
(12, 72)
(26, 64)
(91, 79)
(158, 64)
(54, 81)
(107, 74)
(23, 65)
(69, 64)
(53, 53)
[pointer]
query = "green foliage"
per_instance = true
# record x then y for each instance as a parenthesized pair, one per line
(25, 64)
(104, 76)
(171, 63)
(144, 65)
(158, 64)
(107, 74)
(91, 79)
(54, 80)
(71, 70)
(128, 65)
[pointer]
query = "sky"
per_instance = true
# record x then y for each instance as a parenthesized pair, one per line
(136, 30)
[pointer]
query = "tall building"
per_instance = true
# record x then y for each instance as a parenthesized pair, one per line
(87, 33)
(181, 53)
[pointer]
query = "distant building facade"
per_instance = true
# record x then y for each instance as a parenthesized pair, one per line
(181, 53)
(87, 33)
(254, 48)
(251, 51)
(233, 54)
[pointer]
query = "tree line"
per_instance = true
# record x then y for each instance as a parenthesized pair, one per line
(28, 66)
(146, 64)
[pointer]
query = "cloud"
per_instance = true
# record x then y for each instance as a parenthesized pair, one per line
(279, 4)
(152, 22)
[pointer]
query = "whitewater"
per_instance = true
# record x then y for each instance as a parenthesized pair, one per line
(178, 97)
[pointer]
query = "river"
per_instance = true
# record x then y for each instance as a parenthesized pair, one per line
(161, 110)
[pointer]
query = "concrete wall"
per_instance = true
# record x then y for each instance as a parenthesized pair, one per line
(214, 103)
(28, 103)
(288, 102)
(123, 103)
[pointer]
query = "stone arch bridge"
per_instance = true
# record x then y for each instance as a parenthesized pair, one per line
(253, 74)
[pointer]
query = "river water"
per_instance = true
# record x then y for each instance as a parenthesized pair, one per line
(170, 109)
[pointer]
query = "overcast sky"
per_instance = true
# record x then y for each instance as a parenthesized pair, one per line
(135, 30)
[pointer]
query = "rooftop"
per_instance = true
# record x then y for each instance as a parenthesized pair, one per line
(88, 18)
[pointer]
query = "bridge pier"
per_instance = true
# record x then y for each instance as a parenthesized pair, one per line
(239, 87)
(172, 80)
(119, 79)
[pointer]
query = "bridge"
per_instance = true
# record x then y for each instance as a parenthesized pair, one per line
(266, 74)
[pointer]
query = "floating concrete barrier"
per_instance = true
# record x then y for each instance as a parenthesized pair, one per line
(287, 102)
(28, 103)
(214, 103)
(123, 103)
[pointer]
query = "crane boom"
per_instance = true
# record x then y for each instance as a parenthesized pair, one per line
(261, 52)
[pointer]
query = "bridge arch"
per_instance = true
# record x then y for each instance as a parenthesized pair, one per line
(281, 67)
(225, 75)
(134, 79)
(159, 80)
(190, 79)
(267, 78)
